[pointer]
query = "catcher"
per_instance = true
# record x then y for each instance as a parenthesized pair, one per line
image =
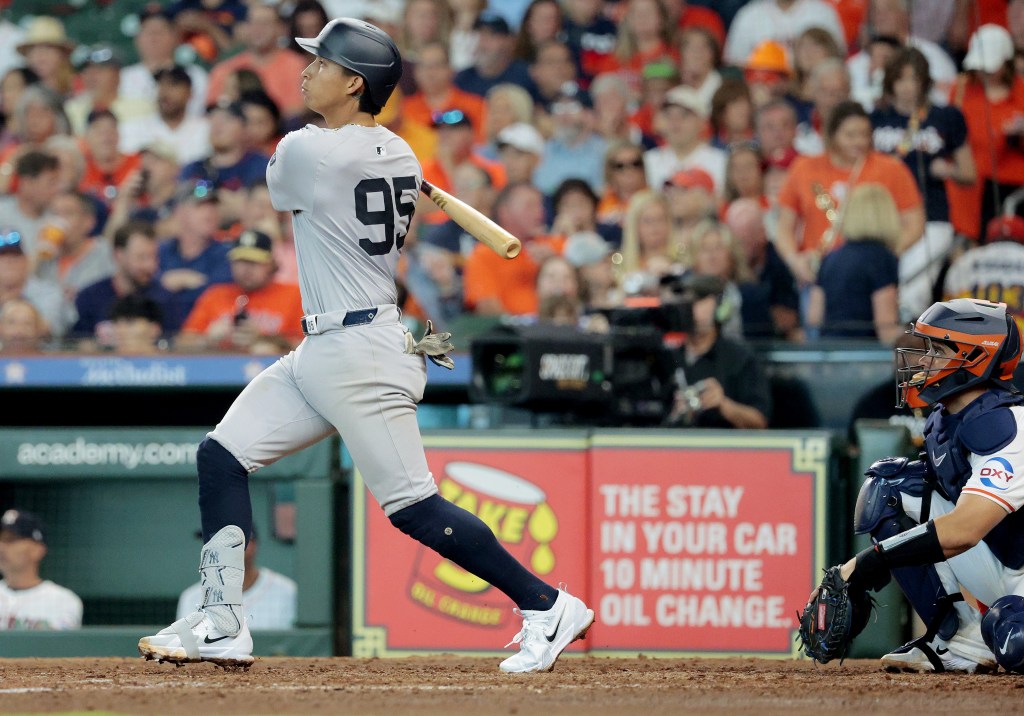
(951, 518)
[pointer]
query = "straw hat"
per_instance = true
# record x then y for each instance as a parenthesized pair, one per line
(46, 30)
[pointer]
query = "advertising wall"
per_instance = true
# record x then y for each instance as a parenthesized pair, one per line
(683, 542)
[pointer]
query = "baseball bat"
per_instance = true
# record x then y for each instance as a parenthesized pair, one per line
(474, 222)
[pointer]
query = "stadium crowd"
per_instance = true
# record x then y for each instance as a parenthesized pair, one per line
(837, 164)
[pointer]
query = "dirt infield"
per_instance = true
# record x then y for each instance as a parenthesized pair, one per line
(459, 686)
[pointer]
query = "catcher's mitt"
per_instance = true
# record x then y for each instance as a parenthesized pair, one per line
(834, 616)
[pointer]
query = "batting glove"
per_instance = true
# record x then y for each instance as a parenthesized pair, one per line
(434, 346)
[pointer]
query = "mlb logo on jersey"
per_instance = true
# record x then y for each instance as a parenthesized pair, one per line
(381, 151)
(996, 473)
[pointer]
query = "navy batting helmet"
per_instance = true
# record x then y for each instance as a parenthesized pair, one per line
(361, 48)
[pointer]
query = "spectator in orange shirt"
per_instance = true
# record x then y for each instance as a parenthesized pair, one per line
(235, 316)
(817, 186)
(278, 68)
(494, 286)
(106, 168)
(436, 93)
(645, 35)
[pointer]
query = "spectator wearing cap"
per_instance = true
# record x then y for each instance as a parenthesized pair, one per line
(593, 258)
(107, 168)
(551, 69)
(27, 210)
(778, 20)
(47, 51)
(725, 376)
(891, 19)
(574, 208)
(268, 598)
(520, 150)
(17, 283)
(829, 84)
(278, 68)
(574, 149)
(644, 35)
(192, 260)
(681, 122)
(494, 286)
(230, 167)
(770, 304)
(495, 61)
(700, 56)
(80, 257)
(27, 601)
(100, 71)
(233, 316)
(435, 92)
(767, 72)
(188, 134)
(156, 42)
(454, 148)
(691, 199)
(686, 16)
(991, 97)
(23, 330)
(135, 265)
(656, 79)
(623, 177)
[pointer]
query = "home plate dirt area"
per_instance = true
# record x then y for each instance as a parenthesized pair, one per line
(473, 686)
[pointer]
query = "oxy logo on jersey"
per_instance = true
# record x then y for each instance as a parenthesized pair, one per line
(996, 473)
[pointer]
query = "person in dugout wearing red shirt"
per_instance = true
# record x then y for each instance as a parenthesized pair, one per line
(254, 314)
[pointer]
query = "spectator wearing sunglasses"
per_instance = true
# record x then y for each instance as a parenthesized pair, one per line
(623, 177)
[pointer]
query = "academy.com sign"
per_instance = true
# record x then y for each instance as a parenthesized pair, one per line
(127, 455)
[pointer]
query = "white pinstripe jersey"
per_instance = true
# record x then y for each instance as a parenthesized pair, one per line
(351, 192)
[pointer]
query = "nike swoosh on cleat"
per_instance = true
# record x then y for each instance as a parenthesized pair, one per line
(554, 633)
(208, 640)
(941, 651)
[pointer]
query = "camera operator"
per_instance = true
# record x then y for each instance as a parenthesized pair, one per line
(721, 383)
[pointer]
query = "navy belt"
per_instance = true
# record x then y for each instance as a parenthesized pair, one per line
(318, 323)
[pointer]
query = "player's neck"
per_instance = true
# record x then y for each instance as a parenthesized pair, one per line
(347, 115)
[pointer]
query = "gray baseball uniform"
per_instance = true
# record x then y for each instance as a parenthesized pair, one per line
(352, 192)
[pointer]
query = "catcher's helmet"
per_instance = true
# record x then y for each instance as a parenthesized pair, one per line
(362, 48)
(986, 343)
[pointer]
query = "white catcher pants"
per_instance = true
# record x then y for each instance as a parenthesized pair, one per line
(357, 381)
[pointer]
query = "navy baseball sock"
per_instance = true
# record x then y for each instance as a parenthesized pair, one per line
(223, 490)
(463, 538)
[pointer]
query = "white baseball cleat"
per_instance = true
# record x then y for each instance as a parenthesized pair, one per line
(963, 653)
(196, 638)
(545, 635)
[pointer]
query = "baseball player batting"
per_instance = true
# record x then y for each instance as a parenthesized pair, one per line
(351, 189)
